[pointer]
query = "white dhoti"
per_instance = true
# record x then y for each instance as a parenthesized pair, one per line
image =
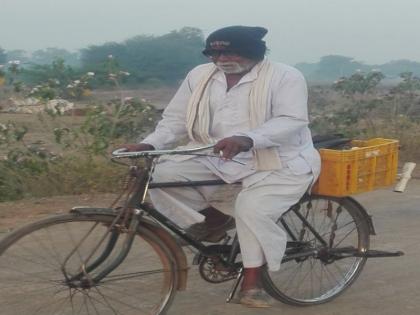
(262, 200)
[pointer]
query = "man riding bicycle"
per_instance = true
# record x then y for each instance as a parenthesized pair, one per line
(256, 111)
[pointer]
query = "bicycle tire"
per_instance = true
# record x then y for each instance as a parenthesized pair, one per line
(313, 280)
(32, 280)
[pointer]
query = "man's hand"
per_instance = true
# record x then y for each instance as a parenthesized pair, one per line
(135, 147)
(229, 147)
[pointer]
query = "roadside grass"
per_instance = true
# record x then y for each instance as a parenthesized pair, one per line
(60, 154)
(46, 167)
(77, 174)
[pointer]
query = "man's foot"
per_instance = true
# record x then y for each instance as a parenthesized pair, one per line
(213, 233)
(255, 298)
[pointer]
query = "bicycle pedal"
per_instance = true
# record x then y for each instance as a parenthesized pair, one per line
(226, 239)
(379, 253)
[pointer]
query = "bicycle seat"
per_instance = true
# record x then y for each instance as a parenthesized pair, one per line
(334, 141)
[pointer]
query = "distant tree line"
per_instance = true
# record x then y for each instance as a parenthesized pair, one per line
(163, 60)
(333, 67)
(153, 60)
(3, 56)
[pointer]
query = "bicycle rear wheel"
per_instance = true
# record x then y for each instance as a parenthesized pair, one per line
(318, 278)
(38, 261)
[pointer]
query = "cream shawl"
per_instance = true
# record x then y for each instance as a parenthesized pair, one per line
(198, 113)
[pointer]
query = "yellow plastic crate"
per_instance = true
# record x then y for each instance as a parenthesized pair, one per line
(368, 165)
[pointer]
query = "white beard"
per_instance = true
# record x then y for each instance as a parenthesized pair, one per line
(232, 67)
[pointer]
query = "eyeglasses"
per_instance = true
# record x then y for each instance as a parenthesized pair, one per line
(214, 54)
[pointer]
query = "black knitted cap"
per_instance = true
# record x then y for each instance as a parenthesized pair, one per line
(245, 40)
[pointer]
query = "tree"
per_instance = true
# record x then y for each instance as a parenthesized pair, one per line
(18, 54)
(48, 55)
(3, 56)
(57, 72)
(360, 90)
(359, 83)
(165, 58)
(396, 67)
(96, 55)
(333, 67)
(406, 96)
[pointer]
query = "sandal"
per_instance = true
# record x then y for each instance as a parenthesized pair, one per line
(255, 298)
(213, 234)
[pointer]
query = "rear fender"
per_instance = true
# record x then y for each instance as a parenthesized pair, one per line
(364, 212)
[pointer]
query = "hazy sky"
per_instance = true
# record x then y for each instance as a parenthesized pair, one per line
(371, 31)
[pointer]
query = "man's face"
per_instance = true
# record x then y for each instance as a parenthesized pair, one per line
(231, 62)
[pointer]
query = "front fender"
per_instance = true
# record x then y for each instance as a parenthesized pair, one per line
(158, 230)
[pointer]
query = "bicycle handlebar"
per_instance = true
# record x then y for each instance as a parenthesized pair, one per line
(122, 153)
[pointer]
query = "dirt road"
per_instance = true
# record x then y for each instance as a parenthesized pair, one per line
(387, 286)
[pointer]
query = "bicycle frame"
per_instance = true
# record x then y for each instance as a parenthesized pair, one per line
(129, 257)
(136, 207)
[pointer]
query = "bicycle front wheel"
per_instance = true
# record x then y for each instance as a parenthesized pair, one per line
(318, 278)
(46, 268)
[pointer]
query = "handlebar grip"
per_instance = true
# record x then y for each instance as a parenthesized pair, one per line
(118, 152)
(123, 153)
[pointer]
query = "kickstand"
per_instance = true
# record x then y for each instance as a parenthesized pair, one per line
(235, 285)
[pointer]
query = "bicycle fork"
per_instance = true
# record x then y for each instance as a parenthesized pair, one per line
(114, 231)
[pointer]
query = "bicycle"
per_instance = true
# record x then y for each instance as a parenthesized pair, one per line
(127, 260)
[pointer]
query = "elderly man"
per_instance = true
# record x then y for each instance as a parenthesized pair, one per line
(251, 109)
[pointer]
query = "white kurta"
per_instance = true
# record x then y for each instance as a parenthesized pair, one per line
(286, 128)
(258, 206)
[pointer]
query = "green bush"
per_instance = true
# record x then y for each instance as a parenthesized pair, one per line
(82, 163)
(360, 108)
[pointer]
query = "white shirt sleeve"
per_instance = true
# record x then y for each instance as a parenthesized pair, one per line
(172, 128)
(289, 112)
